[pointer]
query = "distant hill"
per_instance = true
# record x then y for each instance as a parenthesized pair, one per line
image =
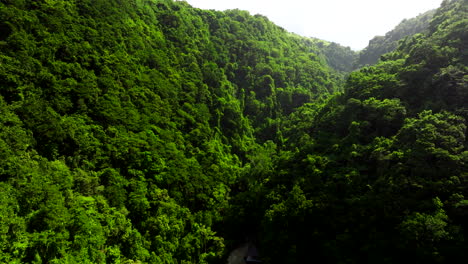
(380, 45)
(341, 59)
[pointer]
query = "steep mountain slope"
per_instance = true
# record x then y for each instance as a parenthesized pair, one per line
(378, 174)
(124, 125)
(380, 45)
(342, 59)
(148, 131)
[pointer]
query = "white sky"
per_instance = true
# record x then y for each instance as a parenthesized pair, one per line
(348, 22)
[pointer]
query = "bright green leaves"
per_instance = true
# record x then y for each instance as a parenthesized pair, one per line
(376, 81)
(178, 236)
(361, 121)
(149, 131)
(427, 227)
(86, 221)
(294, 206)
(14, 139)
(430, 132)
(433, 144)
(423, 232)
(13, 236)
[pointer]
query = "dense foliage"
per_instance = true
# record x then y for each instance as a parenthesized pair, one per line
(379, 173)
(125, 124)
(380, 45)
(148, 131)
(341, 59)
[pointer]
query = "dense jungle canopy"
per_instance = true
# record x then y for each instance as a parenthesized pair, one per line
(149, 131)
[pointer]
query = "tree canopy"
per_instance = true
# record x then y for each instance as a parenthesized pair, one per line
(149, 131)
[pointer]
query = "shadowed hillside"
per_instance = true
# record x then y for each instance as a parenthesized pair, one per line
(148, 131)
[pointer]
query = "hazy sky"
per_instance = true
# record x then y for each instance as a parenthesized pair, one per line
(348, 22)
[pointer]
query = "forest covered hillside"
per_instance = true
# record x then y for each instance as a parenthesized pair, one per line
(379, 173)
(126, 125)
(149, 131)
(341, 59)
(380, 45)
